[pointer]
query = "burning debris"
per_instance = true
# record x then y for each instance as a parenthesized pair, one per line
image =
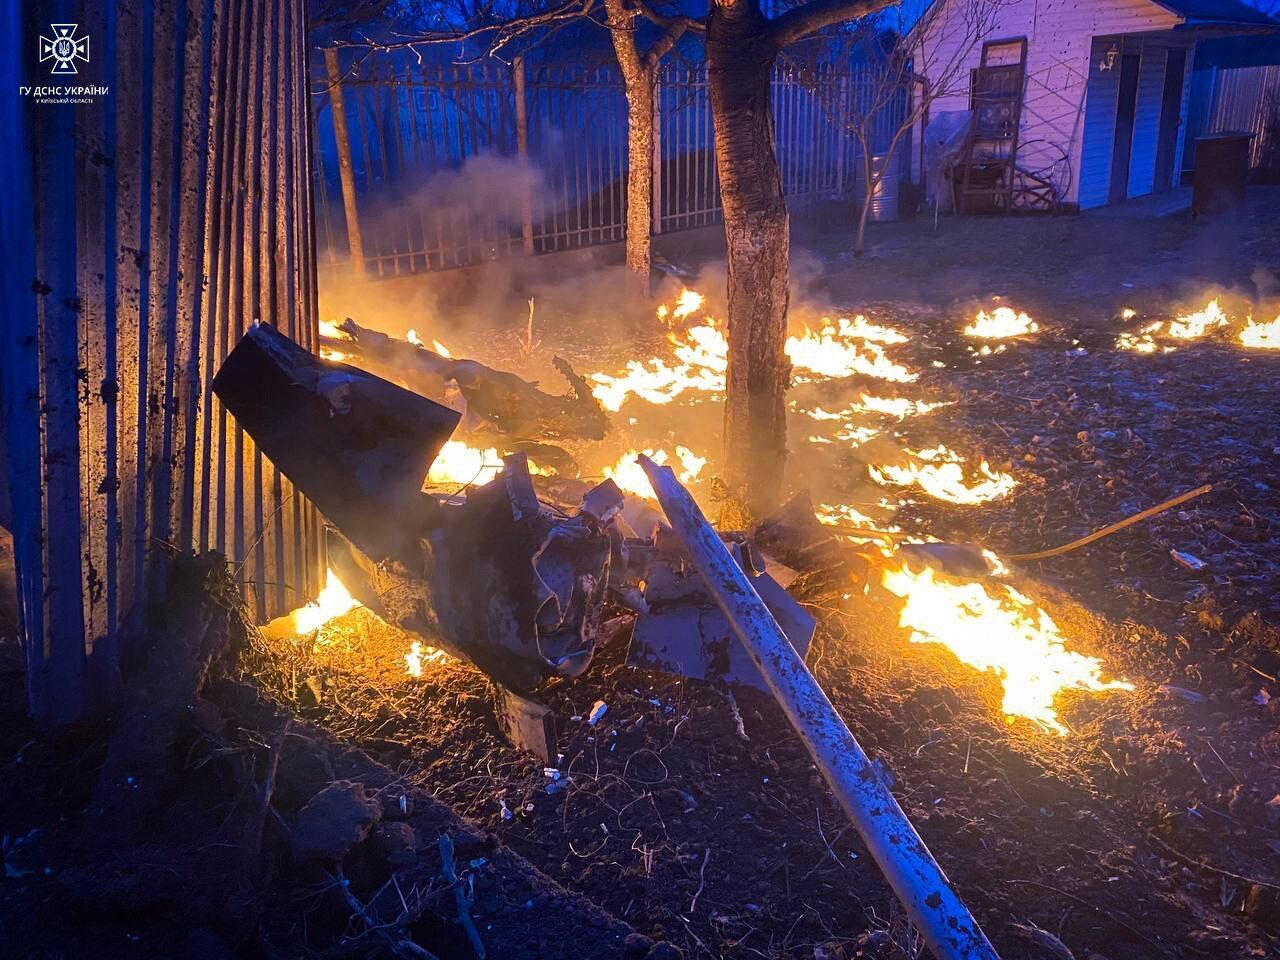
(489, 400)
(520, 588)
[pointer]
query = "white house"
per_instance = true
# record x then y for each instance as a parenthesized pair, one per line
(1107, 82)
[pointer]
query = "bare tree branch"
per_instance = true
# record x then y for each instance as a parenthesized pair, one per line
(671, 23)
(799, 22)
(500, 33)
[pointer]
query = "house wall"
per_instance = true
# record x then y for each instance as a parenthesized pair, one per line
(1059, 41)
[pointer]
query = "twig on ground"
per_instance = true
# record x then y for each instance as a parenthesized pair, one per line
(459, 895)
(1085, 903)
(1204, 865)
(400, 945)
(266, 790)
(702, 880)
(1114, 527)
(737, 716)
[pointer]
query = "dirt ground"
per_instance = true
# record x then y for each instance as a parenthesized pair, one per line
(1149, 830)
(1145, 832)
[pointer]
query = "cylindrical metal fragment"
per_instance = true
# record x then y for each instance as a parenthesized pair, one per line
(931, 902)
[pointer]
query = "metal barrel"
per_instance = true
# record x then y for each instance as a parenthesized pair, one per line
(884, 198)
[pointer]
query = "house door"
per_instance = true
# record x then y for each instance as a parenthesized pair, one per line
(1170, 118)
(1122, 148)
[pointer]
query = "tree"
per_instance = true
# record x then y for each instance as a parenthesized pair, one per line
(639, 71)
(925, 63)
(742, 47)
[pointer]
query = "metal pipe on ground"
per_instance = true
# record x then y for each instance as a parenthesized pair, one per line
(932, 903)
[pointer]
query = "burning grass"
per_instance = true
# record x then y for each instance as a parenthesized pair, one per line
(1001, 323)
(939, 472)
(1261, 336)
(997, 629)
(1208, 323)
(335, 632)
(989, 627)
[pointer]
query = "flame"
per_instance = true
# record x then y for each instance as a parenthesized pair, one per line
(337, 356)
(412, 337)
(689, 302)
(441, 349)
(942, 477)
(1128, 313)
(817, 413)
(833, 513)
(1196, 325)
(703, 352)
(1261, 336)
(631, 478)
(331, 330)
(839, 348)
(332, 601)
(1000, 323)
(1003, 632)
(899, 407)
(459, 463)
(1138, 342)
(419, 655)
(831, 351)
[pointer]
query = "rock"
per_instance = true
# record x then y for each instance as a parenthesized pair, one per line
(665, 951)
(304, 771)
(396, 842)
(636, 946)
(335, 820)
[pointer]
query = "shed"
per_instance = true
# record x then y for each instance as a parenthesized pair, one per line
(1107, 82)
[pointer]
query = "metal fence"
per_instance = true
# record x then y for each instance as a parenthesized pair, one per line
(1247, 99)
(457, 164)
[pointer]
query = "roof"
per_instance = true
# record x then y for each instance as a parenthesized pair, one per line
(1217, 11)
(1232, 52)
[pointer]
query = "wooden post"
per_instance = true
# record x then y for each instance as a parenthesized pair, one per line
(346, 174)
(656, 159)
(522, 151)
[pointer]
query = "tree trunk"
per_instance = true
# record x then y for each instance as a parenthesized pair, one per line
(637, 79)
(740, 59)
(869, 182)
(639, 91)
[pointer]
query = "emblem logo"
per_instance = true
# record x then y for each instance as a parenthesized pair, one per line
(65, 48)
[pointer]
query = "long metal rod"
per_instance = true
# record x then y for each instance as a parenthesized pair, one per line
(931, 902)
